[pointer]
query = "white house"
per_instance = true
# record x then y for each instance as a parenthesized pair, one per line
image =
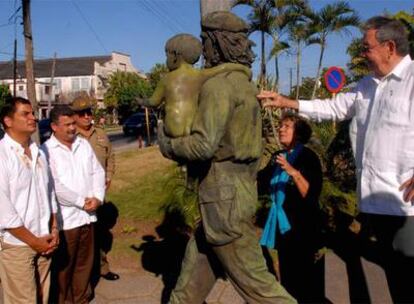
(72, 75)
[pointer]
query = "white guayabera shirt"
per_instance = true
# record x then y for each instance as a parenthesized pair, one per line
(383, 111)
(26, 193)
(77, 174)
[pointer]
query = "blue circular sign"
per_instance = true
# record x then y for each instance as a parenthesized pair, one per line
(334, 79)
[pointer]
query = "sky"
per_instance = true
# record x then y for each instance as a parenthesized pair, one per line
(140, 28)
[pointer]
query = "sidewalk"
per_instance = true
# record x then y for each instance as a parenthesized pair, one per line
(146, 288)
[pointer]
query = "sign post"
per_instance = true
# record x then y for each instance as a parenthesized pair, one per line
(334, 81)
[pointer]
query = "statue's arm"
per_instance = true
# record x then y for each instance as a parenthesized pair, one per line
(209, 125)
(156, 98)
(225, 68)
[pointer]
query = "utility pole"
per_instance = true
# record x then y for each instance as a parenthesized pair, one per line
(14, 67)
(29, 62)
(51, 86)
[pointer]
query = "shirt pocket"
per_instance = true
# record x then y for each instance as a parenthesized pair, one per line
(397, 113)
(361, 110)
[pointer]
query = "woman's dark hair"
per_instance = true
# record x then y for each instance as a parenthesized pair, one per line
(303, 130)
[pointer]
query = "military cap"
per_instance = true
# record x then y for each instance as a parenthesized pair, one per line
(223, 20)
(81, 103)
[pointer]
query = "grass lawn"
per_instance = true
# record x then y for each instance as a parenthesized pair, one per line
(138, 191)
(143, 184)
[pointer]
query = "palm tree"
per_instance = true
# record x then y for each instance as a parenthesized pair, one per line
(299, 31)
(278, 29)
(261, 19)
(333, 18)
(277, 48)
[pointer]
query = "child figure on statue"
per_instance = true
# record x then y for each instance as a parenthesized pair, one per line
(179, 88)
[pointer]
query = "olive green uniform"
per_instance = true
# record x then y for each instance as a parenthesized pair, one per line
(103, 149)
(223, 149)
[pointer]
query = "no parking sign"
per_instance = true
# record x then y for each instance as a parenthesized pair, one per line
(334, 79)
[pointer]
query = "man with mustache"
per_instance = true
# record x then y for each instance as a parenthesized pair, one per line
(79, 181)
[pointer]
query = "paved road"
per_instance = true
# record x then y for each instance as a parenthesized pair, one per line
(120, 142)
(146, 288)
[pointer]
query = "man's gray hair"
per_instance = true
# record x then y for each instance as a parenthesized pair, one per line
(389, 30)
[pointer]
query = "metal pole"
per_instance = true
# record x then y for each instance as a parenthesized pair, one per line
(14, 67)
(51, 89)
(148, 127)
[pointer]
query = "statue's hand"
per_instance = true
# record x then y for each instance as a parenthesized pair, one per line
(164, 142)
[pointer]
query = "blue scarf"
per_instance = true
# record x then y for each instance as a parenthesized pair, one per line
(277, 216)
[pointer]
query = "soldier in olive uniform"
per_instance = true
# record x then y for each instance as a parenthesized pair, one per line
(103, 149)
(224, 148)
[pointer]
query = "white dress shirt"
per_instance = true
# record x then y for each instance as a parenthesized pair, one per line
(77, 175)
(26, 192)
(383, 130)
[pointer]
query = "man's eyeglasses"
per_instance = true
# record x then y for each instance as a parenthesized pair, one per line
(366, 48)
(87, 112)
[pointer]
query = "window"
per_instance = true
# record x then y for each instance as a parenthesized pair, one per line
(123, 67)
(58, 85)
(84, 84)
(47, 89)
(21, 88)
(75, 84)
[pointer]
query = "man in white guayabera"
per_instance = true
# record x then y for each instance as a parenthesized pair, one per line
(28, 225)
(79, 182)
(382, 105)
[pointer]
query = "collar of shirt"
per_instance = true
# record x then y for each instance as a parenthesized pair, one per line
(397, 71)
(17, 147)
(92, 130)
(54, 142)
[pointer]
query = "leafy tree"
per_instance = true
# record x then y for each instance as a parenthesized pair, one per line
(408, 21)
(333, 18)
(300, 31)
(156, 73)
(261, 19)
(124, 88)
(278, 48)
(358, 65)
(4, 93)
(306, 88)
(278, 30)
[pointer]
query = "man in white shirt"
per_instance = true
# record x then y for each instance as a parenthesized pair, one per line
(79, 182)
(382, 106)
(28, 224)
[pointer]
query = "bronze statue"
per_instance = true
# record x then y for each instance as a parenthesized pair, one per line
(180, 87)
(223, 150)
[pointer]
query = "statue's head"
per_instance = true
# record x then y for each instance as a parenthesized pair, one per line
(225, 39)
(182, 47)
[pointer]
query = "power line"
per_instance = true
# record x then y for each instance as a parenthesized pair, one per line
(90, 26)
(159, 5)
(22, 55)
(163, 20)
(158, 16)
